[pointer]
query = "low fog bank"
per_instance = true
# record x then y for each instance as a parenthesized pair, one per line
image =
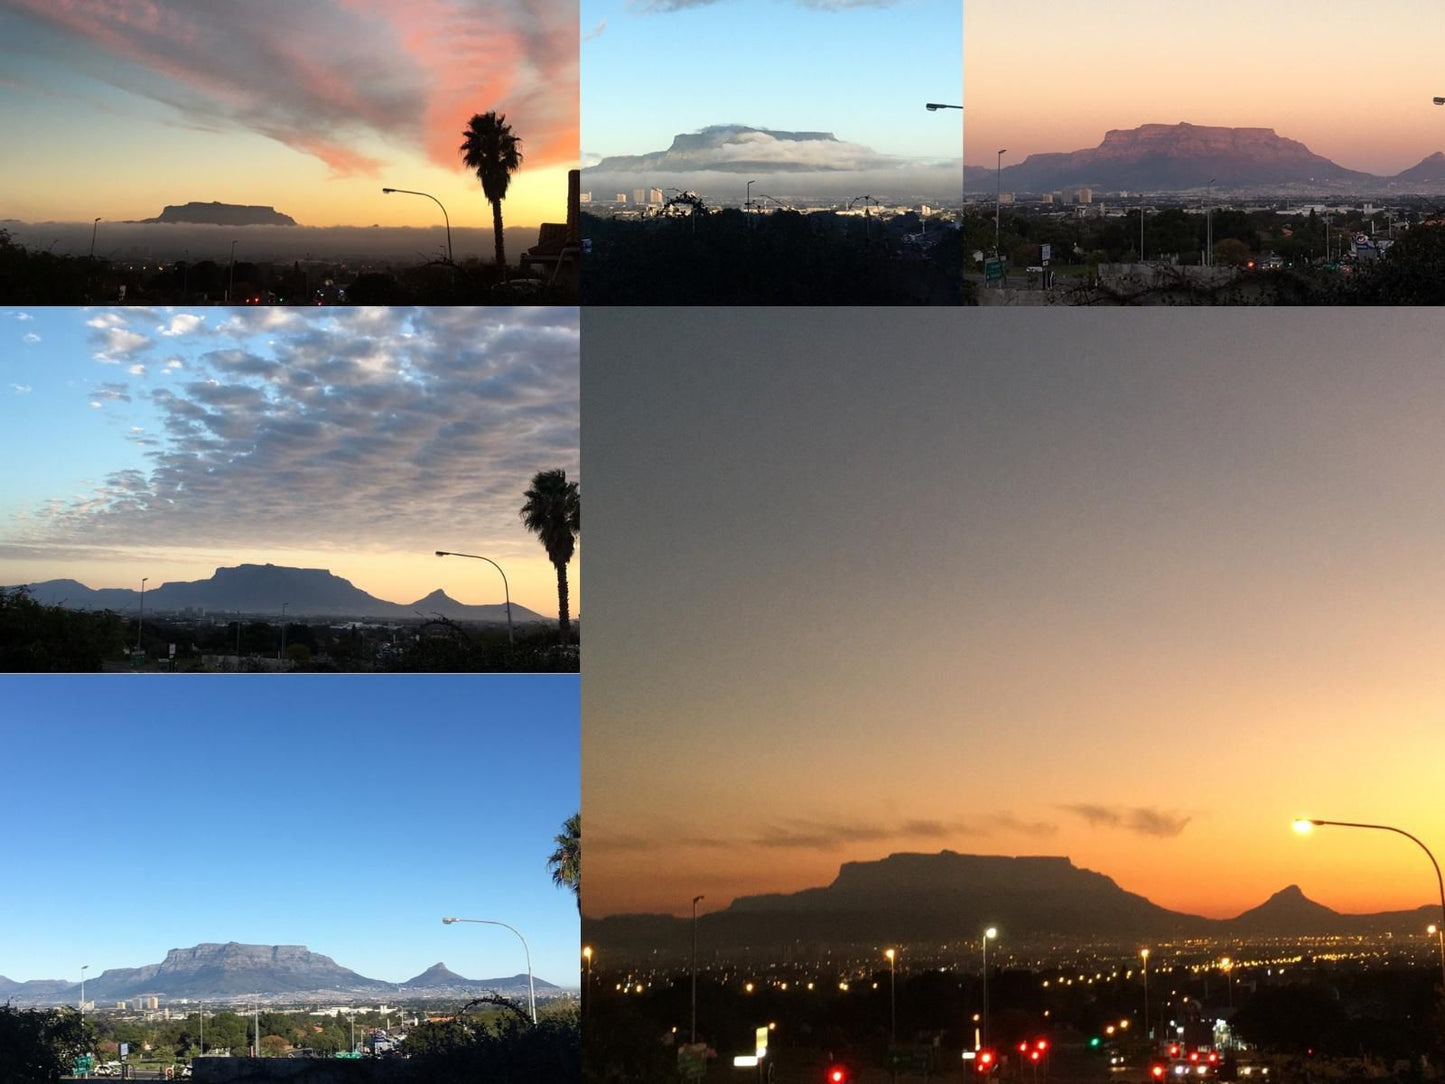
(169, 242)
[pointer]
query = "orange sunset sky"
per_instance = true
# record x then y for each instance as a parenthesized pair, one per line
(311, 108)
(1135, 592)
(1353, 84)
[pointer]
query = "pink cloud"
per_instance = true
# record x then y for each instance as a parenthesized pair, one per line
(319, 75)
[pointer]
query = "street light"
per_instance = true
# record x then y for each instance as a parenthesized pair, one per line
(1145, 954)
(83, 969)
(1227, 966)
(988, 935)
(93, 227)
(892, 999)
(997, 199)
(587, 983)
(531, 991)
(140, 621)
(695, 901)
(1209, 226)
(283, 631)
(506, 591)
(934, 107)
(231, 279)
(750, 194)
(445, 217)
(1305, 825)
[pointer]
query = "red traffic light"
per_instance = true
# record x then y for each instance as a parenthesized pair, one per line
(1034, 1055)
(1156, 1071)
(1194, 1055)
(1023, 1047)
(837, 1075)
(1173, 1050)
(984, 1061)
(1043, 1044)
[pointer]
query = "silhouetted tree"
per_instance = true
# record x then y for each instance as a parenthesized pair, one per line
(493, 152)
(39, 1045)
(553, 512)
(566, 860)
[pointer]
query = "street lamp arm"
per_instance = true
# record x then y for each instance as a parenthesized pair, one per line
(506, 588)
(531, 990)
(1439, 880)
(445, 217)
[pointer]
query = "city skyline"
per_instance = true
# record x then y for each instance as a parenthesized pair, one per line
(1137, 595)
(311, 109)
(1292, 67)
(346, 815)
(359, 440)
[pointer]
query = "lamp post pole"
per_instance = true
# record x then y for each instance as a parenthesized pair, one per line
(892, 999)
(1305, 824)
(531, 990)
(988, 935)
(231, 278)
(506, 590)
(997, 200)
(93, 227)
(695, 901)
(445, 217)
(282, 651)
(83, 969)
(1145, 954)
(140, 621)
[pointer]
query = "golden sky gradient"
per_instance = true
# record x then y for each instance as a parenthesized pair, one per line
(1353, 85)
(1136, 592)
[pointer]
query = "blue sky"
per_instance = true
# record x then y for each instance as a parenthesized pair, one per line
(346, 814)
(172, 442)
(863, 71)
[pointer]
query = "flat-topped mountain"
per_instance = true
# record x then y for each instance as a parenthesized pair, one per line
(264, 589)
(220, 971)
(737, 148)
(222, 214)
(938, 898)
(1174, 157)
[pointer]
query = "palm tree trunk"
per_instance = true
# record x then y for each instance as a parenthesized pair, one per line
(497, 232)
(563, 624)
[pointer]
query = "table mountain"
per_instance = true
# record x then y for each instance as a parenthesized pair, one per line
(222, 214)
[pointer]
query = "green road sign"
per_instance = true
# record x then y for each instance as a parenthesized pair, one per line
(993, 269)
(910, 1061)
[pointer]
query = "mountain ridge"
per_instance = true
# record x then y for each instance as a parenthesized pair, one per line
(251, 588)
(1184, 156)
(233, 969)
(930, 897)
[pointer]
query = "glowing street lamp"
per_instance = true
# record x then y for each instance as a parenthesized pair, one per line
(892, 998)
(531, 991)
(587, 984)
(1227, 966)
(1305, 825)
(1145, 954)
(988, 935)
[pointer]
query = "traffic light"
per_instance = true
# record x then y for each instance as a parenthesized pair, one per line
(984, 1061)
(837, 1074)
(1156, 1071)
(1094, 1043)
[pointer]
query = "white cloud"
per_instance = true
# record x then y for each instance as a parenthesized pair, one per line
(31, 337)
(137, 370)
(182, 323)
(21, 389)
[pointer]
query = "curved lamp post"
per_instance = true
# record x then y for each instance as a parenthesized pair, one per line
(1305, 825)
(531, 991)
(695, 901)
(445, 217)
(506, 591)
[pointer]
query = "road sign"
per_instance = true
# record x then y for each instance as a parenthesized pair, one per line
(910, 1061)
(993, 269)
(1048, 253)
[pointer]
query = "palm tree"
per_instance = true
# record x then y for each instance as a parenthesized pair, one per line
(566, 860)
(494, 153)
(553, 513)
